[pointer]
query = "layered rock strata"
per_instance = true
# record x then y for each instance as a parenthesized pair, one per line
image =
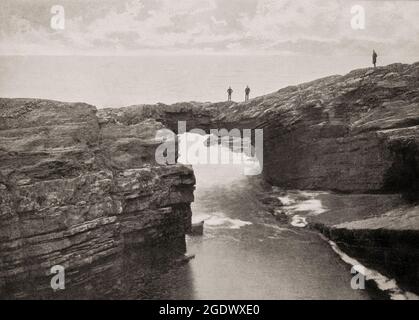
(76, 188)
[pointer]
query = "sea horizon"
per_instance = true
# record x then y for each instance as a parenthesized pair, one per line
(119, 81)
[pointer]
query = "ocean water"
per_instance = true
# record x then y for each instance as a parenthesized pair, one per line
(244, 252)
(122, 81)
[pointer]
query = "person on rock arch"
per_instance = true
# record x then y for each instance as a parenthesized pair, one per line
(229, 92)
(374, 58)
(246, 93)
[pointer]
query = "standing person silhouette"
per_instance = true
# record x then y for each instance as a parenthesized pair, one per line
(229, 92)
(247, 92)
(374, 58)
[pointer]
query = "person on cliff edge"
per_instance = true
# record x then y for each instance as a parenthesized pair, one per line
(247, 93)
(229, 92)
(374, 58)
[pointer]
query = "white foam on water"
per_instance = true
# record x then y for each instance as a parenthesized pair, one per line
(311, 193)
(298, 221)
(227, 223)
(383, 283)
(219, 220)
(286, 200)
(199, 217)
(279, 229)
(314, 206)
(294, 203)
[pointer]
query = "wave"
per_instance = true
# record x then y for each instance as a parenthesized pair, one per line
(219, 220)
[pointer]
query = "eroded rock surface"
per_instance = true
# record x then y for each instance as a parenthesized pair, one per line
(76, 188)
(353, 133)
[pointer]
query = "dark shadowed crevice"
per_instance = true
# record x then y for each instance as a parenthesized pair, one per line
(403, 175)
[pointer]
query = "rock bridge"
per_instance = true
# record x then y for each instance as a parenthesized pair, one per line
(353, 133)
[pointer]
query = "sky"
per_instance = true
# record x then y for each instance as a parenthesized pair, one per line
(133, 27)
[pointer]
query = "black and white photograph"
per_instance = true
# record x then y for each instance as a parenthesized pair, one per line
(209, 150)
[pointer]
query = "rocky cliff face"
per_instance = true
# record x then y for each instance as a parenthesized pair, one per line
(76, 188)
(352, 133)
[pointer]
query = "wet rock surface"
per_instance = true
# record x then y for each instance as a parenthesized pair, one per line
(385, 240)
(379, 231)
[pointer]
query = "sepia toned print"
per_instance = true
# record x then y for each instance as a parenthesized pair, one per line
(209, 150)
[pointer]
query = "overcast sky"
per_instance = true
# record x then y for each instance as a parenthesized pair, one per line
(119, 27)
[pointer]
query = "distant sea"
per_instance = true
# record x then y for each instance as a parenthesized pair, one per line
(122, 81)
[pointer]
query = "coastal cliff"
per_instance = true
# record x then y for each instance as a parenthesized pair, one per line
(353, 133)
(356, 135)
(78, 186)
(76, 189)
